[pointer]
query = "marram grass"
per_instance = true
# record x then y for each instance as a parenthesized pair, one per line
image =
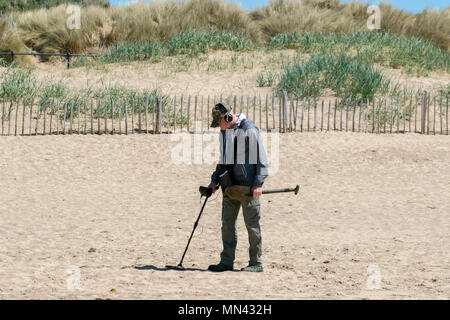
(44, 30)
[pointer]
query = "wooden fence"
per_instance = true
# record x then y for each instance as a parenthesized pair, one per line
(421, 113)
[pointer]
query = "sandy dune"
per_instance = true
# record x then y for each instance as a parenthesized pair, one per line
(119, 209)
(213, 74)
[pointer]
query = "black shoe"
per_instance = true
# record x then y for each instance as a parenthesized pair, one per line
(219, 267)
(253, 268)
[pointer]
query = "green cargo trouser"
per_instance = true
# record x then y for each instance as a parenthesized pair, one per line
(252, 214)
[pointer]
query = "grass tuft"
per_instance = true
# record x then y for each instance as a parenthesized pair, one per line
(347, 77)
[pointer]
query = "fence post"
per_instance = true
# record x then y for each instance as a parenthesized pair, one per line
(446, 115)
(3, 116)
(120, 116)
(201, 112)
(37, 119)
(234, 105)
(174, 113)
(267, 112)
(146, 113)
(328, 116)
(309, 109)
(15, 122)
(398, 114)
(132, 115)
(434, 115)
(321, 118)
(273, 111)
(428, 113)
(195, 112)
(241, 108)
(415, 113)
(260, 112)
(254, 109)
(353, 115)
(112, 116)
(440, 110)
(335, 110)
(248, 102)
(315, 114)
(423, 115)
(85, 116)
(167, 113)
(366, 115)
(347, 107)
(92, 116)
(78, 114)
(280, 113)
(45, 118)
(380, 125)
(125, 106)
(160, 114)
(359, 115)
(284, 110)
(207, 113)
(105, 116)
(391, 118)
(57, 114)
(71, 117)
(404, 112)
(68, 60)
(98, 117)
(302, 114)
(9, 116)
(410, 114)
(23, 116)
(189, 111)
(139, 115)
(181, 112)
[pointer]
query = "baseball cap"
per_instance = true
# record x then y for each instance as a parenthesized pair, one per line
(218, 112)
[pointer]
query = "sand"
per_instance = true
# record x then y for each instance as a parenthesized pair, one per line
(372, 220)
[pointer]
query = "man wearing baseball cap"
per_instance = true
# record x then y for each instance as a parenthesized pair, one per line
(249, 173)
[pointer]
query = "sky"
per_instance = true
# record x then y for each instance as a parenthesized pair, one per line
(413, 6)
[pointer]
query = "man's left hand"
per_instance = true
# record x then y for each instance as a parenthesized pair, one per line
(257, 192)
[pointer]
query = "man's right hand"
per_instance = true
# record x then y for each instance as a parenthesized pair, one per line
(213, 186)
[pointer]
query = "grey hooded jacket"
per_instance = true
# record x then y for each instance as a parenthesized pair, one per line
(243, 151)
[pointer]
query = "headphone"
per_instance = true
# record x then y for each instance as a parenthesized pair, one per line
(228, 117)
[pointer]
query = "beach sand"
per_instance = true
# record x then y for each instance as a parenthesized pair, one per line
(371, 221)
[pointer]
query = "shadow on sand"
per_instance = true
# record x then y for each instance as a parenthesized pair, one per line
(152, 267)
(166, 268)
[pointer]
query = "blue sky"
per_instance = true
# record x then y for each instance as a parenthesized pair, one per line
(407, 5)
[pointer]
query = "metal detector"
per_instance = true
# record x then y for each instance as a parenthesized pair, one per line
(295, 190)
(204, 191)
(207, 192)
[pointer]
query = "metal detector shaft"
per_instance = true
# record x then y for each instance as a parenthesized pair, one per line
(192, 233)
(295, 190)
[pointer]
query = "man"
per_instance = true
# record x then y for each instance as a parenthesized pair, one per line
(250, 172)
